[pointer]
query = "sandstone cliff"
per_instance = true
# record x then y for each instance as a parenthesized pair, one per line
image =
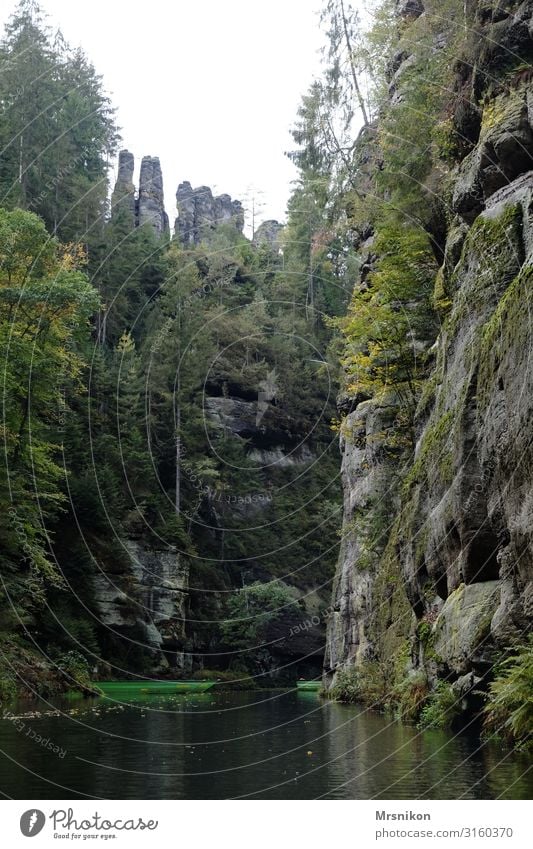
(148, 205)
(268, 234)
(142, 601)
(123, 197)
(435, 576)
(200, 213)
(151, 202)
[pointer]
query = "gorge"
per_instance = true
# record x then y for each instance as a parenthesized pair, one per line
(176, 506)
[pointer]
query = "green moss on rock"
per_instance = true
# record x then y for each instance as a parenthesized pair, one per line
(435, 453)
(463, 624)
(509, 325)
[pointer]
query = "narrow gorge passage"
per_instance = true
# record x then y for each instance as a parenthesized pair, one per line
(266, 523)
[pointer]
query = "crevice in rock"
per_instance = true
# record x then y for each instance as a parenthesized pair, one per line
(481, 558)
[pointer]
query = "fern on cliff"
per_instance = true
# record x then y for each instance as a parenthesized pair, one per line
(509, 708)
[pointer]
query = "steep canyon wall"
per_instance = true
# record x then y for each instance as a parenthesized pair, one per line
(449, 585)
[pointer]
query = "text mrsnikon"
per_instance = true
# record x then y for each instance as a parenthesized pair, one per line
(404, 815)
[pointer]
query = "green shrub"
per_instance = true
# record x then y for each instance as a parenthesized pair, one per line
(508, 712)
(364, 684)
(411, 696)
(346, 687)
(252, 609)
(441, 708)
(8, 689)
(76, 671)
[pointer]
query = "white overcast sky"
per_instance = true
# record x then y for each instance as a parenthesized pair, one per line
(209, 86)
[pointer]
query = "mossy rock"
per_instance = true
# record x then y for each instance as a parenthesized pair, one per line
(462, 628)
(509, 326)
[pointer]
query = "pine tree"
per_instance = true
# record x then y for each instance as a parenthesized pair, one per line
(57, 129)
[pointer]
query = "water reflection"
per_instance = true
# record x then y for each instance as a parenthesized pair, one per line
(245, 745)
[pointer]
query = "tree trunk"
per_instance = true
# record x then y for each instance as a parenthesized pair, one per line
(177, 498)
(178, 459)
(352, 66)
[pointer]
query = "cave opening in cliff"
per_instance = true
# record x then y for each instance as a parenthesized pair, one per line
(481, 559)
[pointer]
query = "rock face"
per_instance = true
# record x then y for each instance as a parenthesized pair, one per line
(268, 234)
(462, 630)
(248, 521)
(270, 443)
(147, 598)
(471, 499)
(452, 586)
(267, 428)
(369, 608)
(232, 414)
(200, 213)
(151, 203)
(408, 9)
(504, 151)
(149, 206)
(123, 196)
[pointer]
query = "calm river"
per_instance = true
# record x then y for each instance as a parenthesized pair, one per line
(242, 745)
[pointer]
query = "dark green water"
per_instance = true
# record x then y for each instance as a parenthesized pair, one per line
(254, 745)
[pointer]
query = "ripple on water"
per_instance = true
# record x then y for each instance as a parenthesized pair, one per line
(258, 745)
